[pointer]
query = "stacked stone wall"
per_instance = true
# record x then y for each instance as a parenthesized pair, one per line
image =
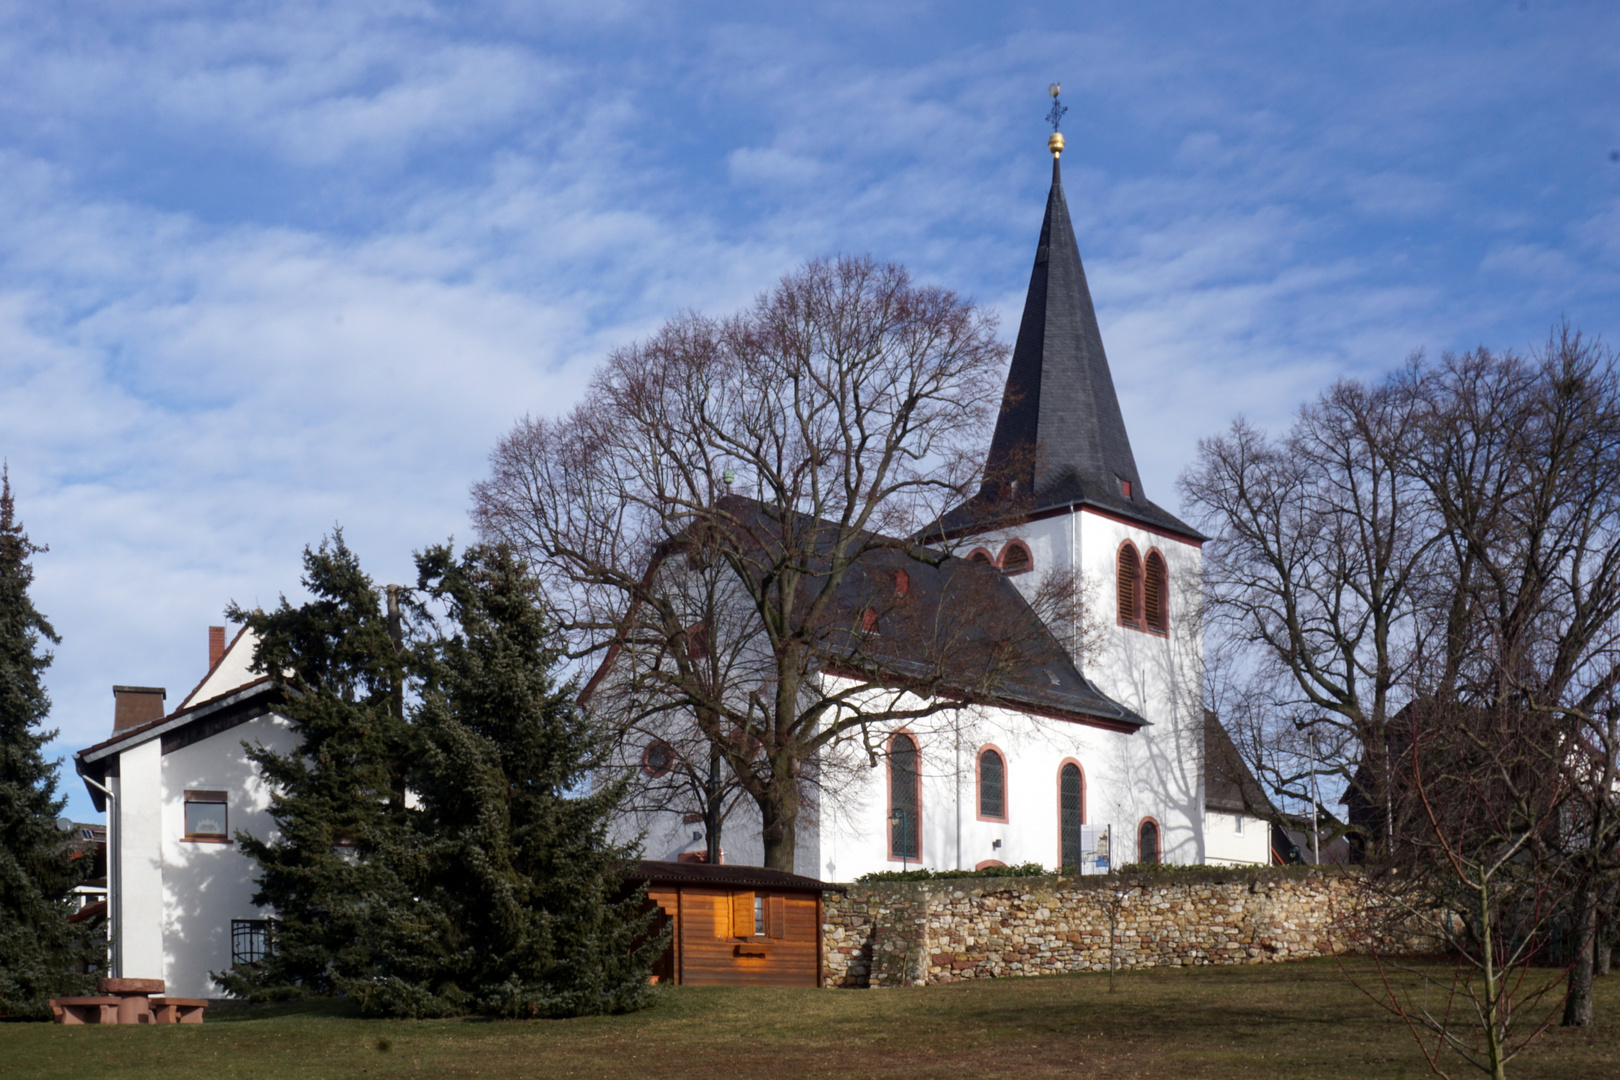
(916, 933)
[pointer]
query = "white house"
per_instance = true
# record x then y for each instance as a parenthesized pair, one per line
(175, 788)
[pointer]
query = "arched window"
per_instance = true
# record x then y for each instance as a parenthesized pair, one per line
(905, 800)
(1155, 586)
(1071, 812)
(980, 555)
(992, 785)
(1147, 841)
(1127, 574)
(1016, 559)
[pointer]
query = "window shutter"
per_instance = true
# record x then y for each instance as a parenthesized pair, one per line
(775, 917)
(1128, 570)
(742, 914)
(1153, 592)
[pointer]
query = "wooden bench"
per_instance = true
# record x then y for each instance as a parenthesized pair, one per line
(173, 1010)
(86, 1010)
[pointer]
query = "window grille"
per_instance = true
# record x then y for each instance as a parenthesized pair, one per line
(992, 785)
(1128, 570)
(1071, 812)
(1147, 842)
(903, 797)
(251, 940)
(1153, 593)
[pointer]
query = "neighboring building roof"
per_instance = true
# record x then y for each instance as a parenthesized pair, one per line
(725, 876)
(180, 728)
(1060, 440)
(1228, 782)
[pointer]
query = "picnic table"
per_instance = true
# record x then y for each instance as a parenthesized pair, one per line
(128, 1001)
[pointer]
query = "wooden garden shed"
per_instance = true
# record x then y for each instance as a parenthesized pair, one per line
(736, 925)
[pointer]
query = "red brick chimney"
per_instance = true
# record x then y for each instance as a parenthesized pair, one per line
(136, 705)
(216, 646)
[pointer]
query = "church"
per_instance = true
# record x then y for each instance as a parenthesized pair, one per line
(1094, 753)
(1084, 758)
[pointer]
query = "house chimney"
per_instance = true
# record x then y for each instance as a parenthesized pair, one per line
(136, 705)
(216, 646)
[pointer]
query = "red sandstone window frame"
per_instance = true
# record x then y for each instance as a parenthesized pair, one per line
(888, 796)
(978, 783)
(985, 864)
(1158, 841)
(1084, 789)
(1007, 549)
(647, 766)
(981, 555)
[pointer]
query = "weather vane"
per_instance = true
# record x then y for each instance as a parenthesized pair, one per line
(1055, 117)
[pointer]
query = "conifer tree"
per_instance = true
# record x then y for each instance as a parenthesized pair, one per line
(339, 798)
(41, 954)
(517, 907)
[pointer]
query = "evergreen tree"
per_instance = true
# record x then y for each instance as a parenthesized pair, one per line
(339, 798)
(517, 906)
(41, 954)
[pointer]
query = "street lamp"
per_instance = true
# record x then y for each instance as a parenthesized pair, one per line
(905, 834)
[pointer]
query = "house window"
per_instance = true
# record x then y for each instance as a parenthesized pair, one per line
(1147, 841)
(1016, 559)
(1071, 812)
(1154, 601)
(992, 785)
(1128, 571)
(1237, 824)
(658, 758)
(251, 941)
(205, 816)
(759, 916)
(905, 801)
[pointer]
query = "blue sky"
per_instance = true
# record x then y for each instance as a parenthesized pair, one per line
(268, 268)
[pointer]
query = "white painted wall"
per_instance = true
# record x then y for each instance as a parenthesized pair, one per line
(1225, 844)
(139, 892)
(206, 885)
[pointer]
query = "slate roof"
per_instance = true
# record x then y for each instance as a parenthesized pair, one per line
(1228, 783)
(1060, 439)
(961, 627)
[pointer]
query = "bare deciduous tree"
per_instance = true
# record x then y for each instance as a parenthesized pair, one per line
(720, 523)
(1450, 535)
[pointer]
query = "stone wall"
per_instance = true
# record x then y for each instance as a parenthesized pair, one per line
(914, 933)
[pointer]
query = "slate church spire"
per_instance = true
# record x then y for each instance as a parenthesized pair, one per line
(1060, 439)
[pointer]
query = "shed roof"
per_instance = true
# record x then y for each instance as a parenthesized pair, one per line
(723, 875)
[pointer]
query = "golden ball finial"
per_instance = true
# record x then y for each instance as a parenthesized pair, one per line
(1055, 144)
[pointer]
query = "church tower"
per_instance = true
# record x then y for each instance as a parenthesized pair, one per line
(1061, 491)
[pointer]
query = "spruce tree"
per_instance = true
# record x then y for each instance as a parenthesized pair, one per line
(339, 797)
(517, 906)
(41, 954)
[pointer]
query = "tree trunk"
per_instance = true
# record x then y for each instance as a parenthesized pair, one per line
(780, 834)
(1578, 1005)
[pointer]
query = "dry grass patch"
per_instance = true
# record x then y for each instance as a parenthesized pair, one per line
(1297, 1020)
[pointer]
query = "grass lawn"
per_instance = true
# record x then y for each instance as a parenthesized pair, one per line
(1295, 1020)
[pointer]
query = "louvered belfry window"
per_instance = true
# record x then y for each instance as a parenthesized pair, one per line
(992, 785)
(1071, 811)
(1127, 574)
(903, 777)
(1154, 587)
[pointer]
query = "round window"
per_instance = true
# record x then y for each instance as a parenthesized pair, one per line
(658, 758)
